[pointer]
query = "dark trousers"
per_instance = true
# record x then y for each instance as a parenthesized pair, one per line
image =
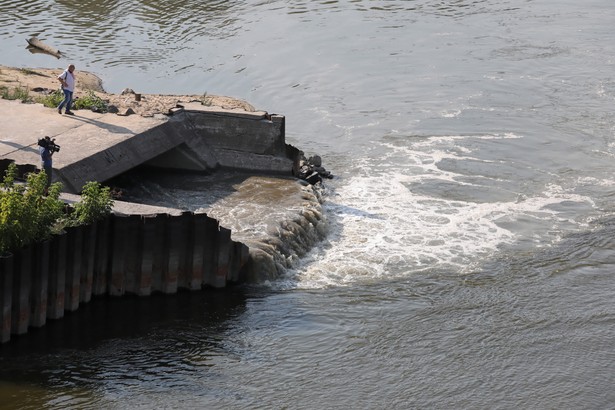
(49, 172)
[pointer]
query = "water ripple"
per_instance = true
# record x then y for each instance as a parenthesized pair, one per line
(120, 32)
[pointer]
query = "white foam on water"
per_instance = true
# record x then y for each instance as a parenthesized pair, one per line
(451, 113)
(379, 227)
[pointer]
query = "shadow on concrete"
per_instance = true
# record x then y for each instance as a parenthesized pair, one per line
(19, 147)
(111, 128)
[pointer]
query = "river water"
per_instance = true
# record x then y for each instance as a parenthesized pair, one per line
(470, 255)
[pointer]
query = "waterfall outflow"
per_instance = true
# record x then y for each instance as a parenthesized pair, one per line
(286, 243)
(279, 218)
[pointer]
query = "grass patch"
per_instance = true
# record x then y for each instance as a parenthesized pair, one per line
(91, 101)
(52, 100)
(17, 93)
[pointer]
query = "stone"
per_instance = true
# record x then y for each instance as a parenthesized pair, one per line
(315, 160)
(126, 112)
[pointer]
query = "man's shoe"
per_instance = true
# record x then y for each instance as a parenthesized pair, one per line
(59, 110)
(69, 113)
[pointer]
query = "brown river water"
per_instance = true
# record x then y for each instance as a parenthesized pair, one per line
(470, 234)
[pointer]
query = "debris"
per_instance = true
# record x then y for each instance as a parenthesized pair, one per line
(312, 171)
(126, 112)
(37, 46)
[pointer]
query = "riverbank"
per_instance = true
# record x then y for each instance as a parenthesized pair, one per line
(40, 81)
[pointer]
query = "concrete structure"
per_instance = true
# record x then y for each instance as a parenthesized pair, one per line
(140, 249)
(123, 254)
(97, 147)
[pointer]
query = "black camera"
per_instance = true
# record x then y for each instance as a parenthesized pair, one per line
(49, 143)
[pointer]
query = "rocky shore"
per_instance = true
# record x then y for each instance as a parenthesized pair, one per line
(42, 81)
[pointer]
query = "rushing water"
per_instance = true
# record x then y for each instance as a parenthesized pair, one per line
(470, 255)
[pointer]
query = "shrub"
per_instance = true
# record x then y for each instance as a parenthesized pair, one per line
(96, 203)
(90, 102)
(17, 93)
(26, 214)
(52, 100)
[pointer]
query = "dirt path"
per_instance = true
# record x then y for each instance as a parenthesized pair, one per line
(40, 81)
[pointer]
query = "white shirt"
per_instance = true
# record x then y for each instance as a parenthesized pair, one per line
(69, 78)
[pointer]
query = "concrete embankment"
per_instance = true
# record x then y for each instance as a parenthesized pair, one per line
(194, 137)
(98, 147)
(140, 251)
(123, 254)
(143, 249)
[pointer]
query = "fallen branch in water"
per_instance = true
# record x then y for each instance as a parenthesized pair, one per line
(37, 46)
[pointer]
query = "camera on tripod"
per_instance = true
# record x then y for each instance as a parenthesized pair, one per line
(49, 143)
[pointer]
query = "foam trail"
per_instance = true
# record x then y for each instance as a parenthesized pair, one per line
(393, 220)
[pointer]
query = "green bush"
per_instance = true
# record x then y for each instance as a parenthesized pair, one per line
(53, 99)
(96, 203)
(90, 101)
(26, 214)
(17, 93)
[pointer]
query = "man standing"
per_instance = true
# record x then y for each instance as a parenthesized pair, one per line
(46, 159)
(67, 79)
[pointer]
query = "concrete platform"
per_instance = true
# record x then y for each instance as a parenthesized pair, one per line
(80, 136)
(127, 208)
(97, 147)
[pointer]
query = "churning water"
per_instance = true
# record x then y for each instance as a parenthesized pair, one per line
(469, 260)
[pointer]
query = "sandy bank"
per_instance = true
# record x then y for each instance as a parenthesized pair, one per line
(40, 81)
